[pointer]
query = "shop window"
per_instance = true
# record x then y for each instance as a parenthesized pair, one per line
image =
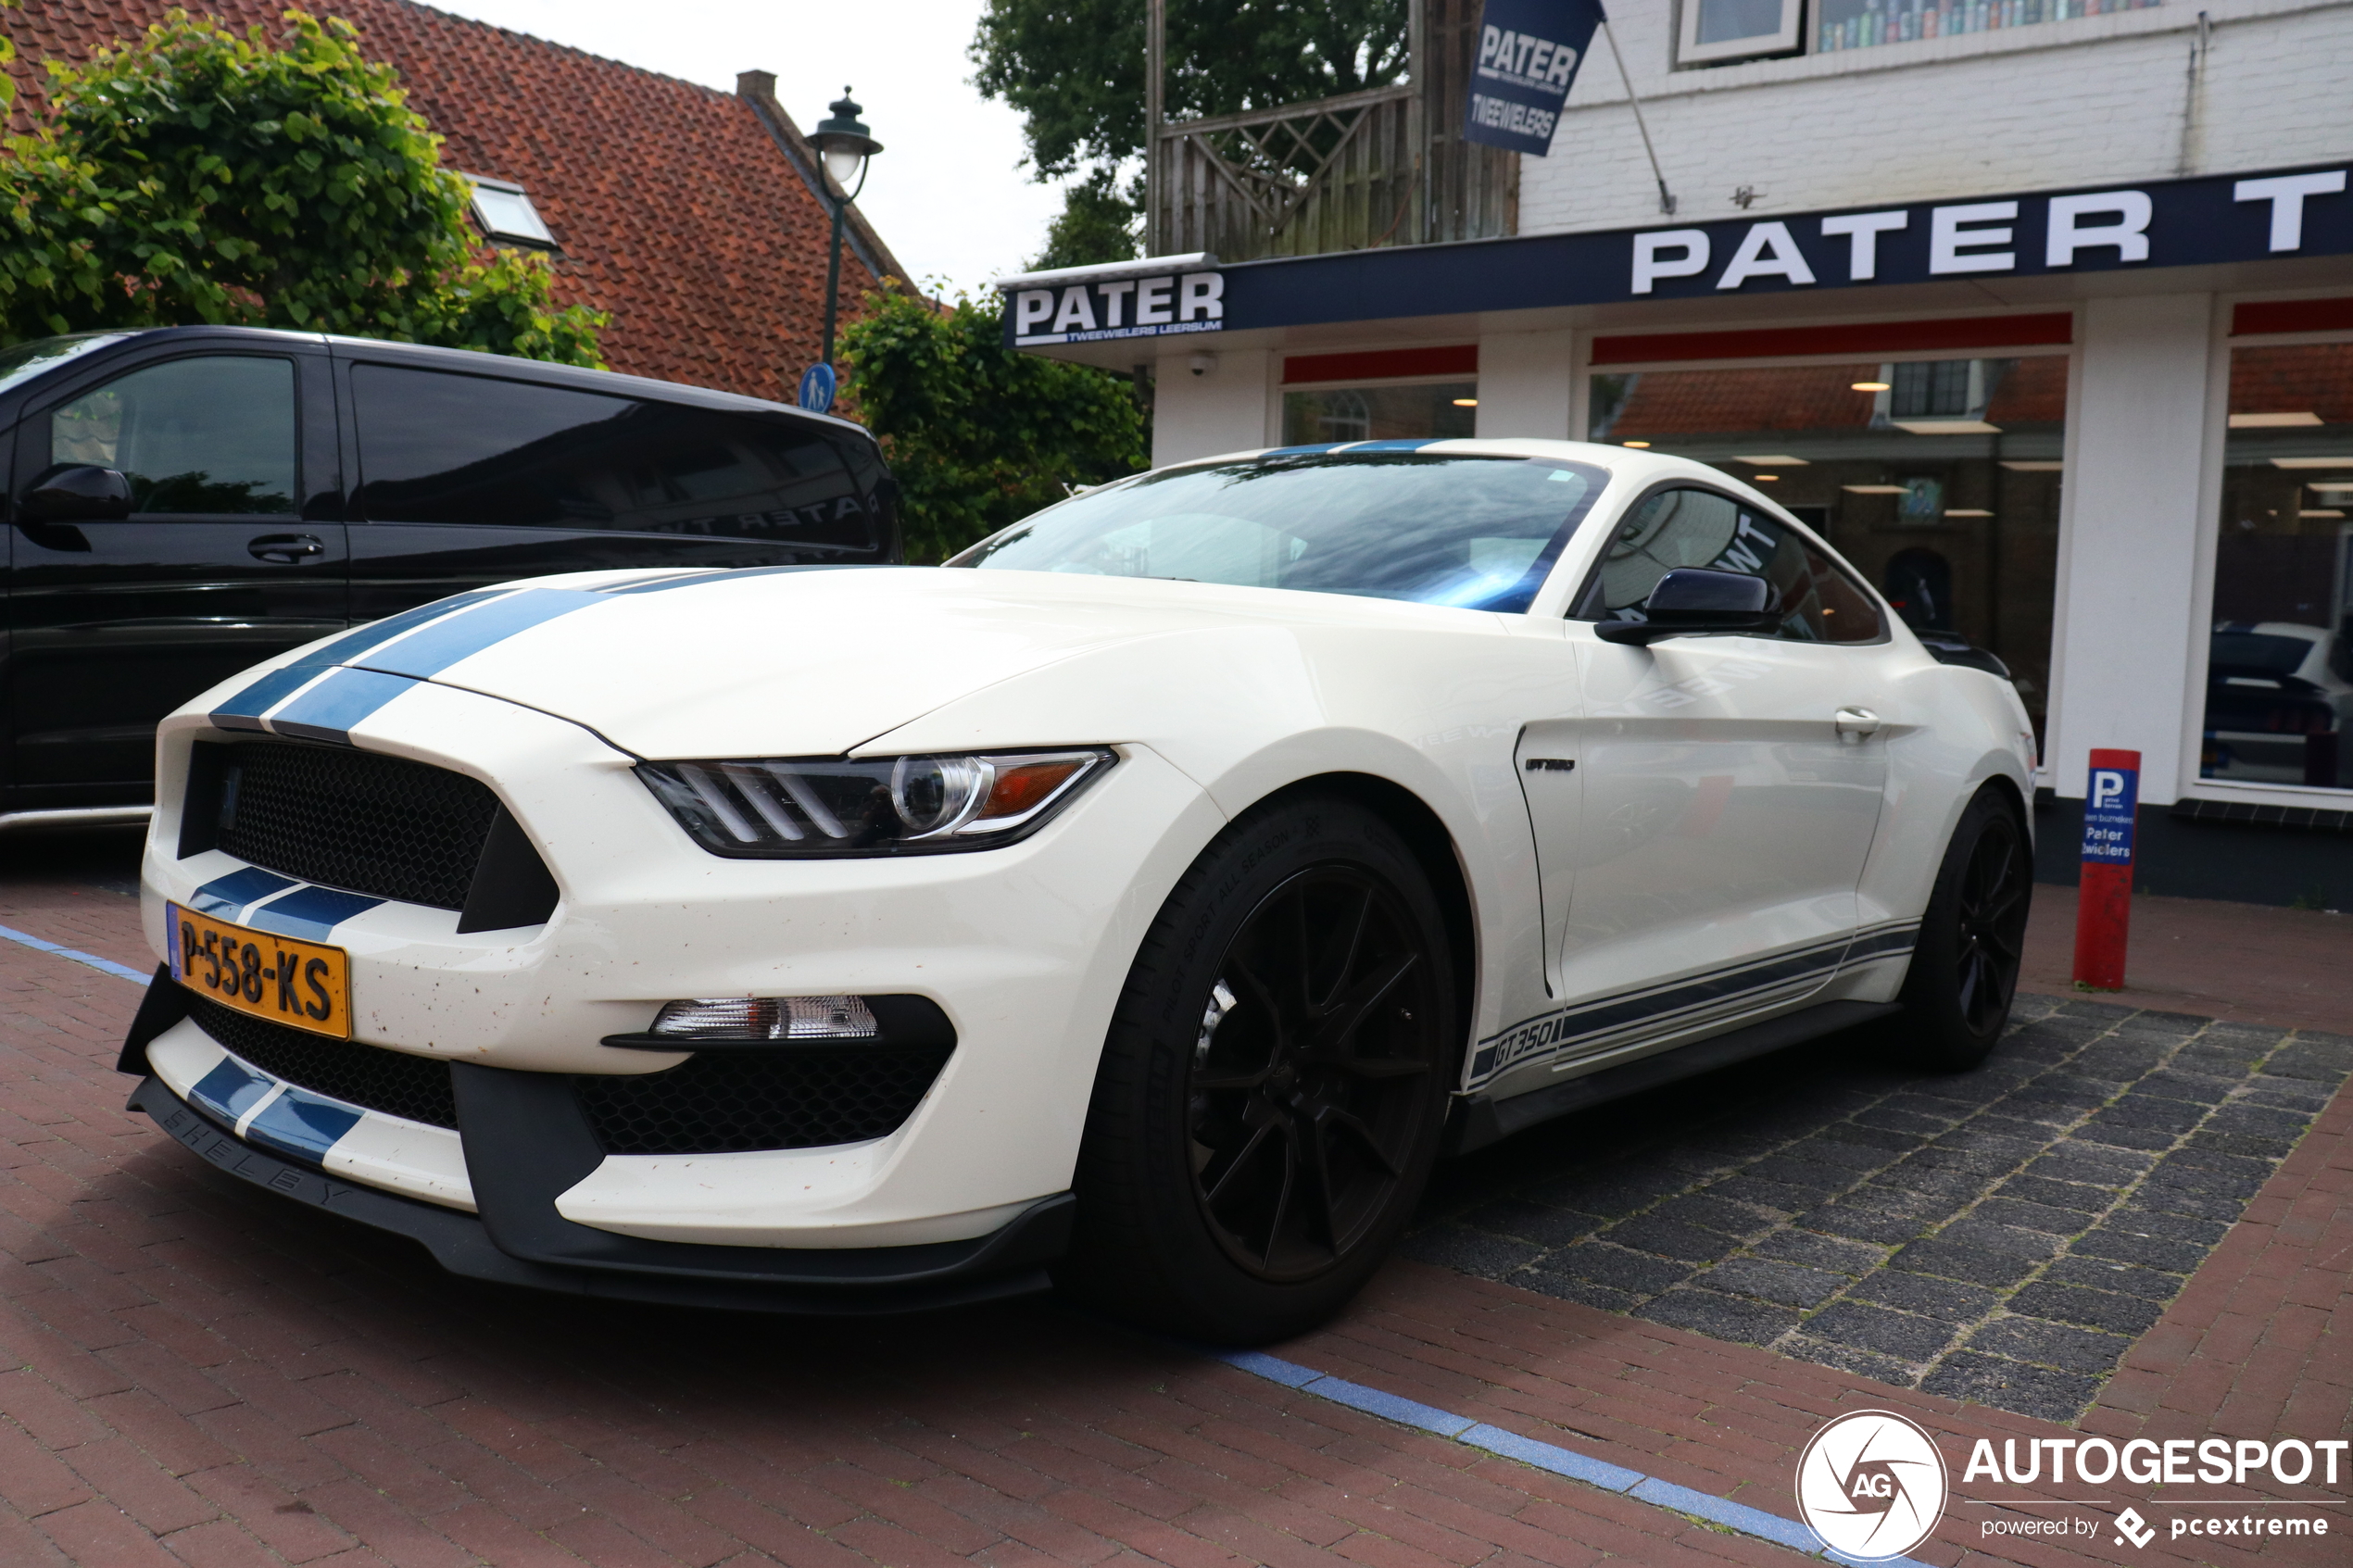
(1733, 30)
(2279, 681)
(1862, 24)
(1937, 479)
(1442, 410)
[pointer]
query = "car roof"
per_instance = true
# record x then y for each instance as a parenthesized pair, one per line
(478, 362)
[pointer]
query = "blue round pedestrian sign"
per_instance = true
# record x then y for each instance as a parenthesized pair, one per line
(817, 388)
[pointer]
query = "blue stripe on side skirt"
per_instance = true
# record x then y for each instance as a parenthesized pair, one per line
(244, 710)
(303, 1124)
(311, 913)
(437, 647)
(231, 1089)
(227, 896)
(327, 710)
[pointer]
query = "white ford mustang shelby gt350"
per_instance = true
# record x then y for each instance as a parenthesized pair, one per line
(1145, 900)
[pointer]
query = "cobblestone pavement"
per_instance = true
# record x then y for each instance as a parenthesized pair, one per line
(2001, 1235)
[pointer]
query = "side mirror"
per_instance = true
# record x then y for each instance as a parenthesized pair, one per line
(1692, 599)
(77, 493)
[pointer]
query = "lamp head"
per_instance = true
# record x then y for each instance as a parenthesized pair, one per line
(843, 142)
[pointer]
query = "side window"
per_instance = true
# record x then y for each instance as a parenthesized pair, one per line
(1675, 528)
(204, 436)
(442, 447)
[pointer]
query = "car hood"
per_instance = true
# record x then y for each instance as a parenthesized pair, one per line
(804, 661)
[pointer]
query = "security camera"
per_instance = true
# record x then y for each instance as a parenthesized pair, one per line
(1204, 363)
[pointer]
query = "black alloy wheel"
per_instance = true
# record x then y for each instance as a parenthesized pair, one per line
(1309, 1077)
(1274, 1082)
(1972, 938)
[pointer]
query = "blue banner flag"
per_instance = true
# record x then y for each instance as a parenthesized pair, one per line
(1528, 52)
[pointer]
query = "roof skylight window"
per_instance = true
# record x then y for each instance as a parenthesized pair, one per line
(506, 213)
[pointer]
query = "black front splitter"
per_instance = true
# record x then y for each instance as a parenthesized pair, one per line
(817, 1282)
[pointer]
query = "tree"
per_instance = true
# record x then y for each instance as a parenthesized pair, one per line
(979, 435)
(1075, 69)
(195, 175)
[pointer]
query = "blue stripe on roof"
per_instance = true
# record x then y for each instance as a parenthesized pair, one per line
(303, 1124)
(231, 1089)
(329, 710)
(1414, 444)
(428, 652)
(244, 710)
(311, 913)
(227, 896)
(1296, 451)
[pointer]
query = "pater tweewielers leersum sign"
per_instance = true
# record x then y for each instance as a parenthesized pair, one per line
(2229, 217)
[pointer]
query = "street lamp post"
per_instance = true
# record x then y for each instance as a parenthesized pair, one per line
(843, 145)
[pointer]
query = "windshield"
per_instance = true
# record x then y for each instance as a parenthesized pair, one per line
(2249, 652)
(1475, 531)
(22, 361)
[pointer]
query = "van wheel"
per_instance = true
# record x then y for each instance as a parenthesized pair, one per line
(1274, 1082)
(1957, 997)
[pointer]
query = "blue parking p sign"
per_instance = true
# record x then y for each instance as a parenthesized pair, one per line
(817, 388)
(2108, 805)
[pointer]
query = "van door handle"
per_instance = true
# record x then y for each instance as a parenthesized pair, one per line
(1857, 725)
(285, 549)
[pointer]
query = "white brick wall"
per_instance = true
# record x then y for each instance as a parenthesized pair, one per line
(2082, 102)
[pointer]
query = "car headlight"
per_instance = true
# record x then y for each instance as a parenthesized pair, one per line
(818, 805)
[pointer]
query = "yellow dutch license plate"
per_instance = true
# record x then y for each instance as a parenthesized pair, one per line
(301, 984)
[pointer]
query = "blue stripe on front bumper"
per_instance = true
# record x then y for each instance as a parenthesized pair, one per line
(311, 913)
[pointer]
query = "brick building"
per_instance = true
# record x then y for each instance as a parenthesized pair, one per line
(694, 216)
(2041, 309)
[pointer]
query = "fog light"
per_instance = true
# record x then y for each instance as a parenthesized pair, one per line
(768, 1018)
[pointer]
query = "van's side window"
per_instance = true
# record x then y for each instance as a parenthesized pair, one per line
(203, 436)
(441, 448)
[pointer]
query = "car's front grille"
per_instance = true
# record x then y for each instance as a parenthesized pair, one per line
(727, 1102)
(354, 820)
(415, 1087)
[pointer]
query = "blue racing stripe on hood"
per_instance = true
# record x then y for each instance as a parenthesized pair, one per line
(244, 710)
(730, 573)
(327, 710)
(438, 647)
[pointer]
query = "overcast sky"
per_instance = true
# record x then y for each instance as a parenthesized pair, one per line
(947, 192)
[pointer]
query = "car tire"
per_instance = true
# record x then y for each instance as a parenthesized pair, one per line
(1274, 1082)
(1957, 996)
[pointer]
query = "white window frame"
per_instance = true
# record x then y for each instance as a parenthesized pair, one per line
(544, 239)
(1690, 51)
(2190, 785)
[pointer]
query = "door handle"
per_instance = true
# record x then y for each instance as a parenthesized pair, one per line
(1857, 725)
(285, 549)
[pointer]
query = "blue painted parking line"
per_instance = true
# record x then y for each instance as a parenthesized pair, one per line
(104, 966)
(1541, 1455)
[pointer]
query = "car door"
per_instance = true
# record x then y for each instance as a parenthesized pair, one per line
(465, 480)
(1703, 820)
(234, 551)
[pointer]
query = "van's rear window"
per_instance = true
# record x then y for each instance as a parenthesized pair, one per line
(437, 446)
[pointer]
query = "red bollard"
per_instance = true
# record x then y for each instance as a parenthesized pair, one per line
(2104, 895)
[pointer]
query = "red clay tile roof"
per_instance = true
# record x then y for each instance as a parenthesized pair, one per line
(675, 207)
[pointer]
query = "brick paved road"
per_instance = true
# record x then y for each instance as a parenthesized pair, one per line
(2000, 1235)
(199, 1375)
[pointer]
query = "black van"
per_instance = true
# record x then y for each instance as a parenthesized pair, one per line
(186, 501)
